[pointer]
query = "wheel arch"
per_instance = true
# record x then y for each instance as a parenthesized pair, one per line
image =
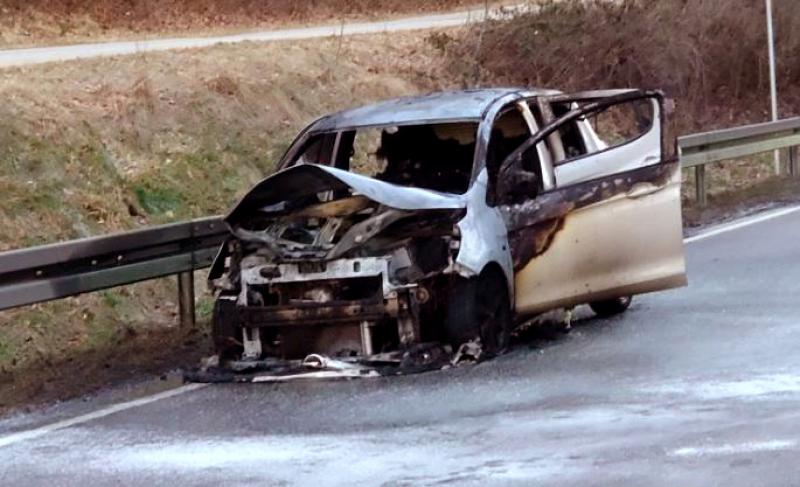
(496, 269)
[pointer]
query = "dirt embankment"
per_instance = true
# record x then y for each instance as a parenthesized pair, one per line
(25, 22)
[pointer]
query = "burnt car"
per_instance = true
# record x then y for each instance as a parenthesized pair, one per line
(397, 234)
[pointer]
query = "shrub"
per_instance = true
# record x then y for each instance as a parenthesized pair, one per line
(710, 55)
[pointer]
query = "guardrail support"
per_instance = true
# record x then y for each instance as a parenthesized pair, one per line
(700, 185)
(793, 166)
(186, 299)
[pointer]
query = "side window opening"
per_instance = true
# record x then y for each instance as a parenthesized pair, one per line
(509, 131)
(318, 150)
(514, 175)
(571, 137)
(518, 180)
(544, 115)
(625, 139)
(619, 124)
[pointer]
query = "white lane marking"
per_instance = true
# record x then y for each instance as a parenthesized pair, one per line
(735, 448)
(100, 413)
(746, 222)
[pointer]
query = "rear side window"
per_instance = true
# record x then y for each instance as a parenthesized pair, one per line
(624, 122)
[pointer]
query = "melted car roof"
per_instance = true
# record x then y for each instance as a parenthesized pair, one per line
(441, 106)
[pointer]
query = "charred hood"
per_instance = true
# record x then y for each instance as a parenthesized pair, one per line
(296, 186)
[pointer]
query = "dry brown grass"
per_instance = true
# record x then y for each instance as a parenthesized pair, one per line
(56, 21)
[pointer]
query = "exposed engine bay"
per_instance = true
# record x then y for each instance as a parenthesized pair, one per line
(331, 267)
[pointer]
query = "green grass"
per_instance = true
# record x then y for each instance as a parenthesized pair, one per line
(204, 307)
(156, 200)
(102, 331)
(111, 298)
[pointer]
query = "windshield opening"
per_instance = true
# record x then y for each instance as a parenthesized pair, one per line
(431, 156)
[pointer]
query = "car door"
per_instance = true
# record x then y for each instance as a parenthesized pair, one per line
(611, 226)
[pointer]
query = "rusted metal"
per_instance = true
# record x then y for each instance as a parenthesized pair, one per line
(310, 314)
(186, 299)
(361, 232)
(318, 253)
(408, 325)
(337, 208)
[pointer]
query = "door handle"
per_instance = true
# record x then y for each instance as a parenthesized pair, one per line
(642, 189)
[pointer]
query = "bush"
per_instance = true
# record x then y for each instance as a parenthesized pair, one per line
(710, 55)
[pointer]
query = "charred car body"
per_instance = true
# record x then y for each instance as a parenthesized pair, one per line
(447, 219)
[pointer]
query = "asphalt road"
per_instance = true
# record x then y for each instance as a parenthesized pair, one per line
(37, 55)
(693, 387)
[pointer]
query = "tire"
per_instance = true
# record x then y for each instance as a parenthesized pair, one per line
(480, 308)
(611, 307)
(224, 331)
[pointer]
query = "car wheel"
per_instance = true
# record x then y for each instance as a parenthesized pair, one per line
(224, 331)
(480, 308)
(611, 307)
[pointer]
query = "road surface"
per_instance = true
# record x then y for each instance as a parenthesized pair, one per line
(37, 55)
(693, 387)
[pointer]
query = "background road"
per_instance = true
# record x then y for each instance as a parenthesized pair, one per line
(19, 57)
(692, 387)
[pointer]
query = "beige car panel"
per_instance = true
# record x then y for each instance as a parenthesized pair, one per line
(612, 227)
(627, 244)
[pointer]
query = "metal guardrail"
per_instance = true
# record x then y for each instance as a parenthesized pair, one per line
(60, 270)
(697, 150)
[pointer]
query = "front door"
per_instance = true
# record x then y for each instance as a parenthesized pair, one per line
(612, 225)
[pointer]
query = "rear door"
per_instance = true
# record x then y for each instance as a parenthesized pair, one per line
(612, 225)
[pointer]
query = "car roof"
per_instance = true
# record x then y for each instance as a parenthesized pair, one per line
(442, 106)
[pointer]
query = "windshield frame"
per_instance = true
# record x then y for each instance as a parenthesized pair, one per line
(306, 137)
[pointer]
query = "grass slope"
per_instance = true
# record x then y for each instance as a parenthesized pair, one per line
(97, 146)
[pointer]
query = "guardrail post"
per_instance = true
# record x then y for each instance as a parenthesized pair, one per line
(700, 184)
(793, 161)
(186, 299)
